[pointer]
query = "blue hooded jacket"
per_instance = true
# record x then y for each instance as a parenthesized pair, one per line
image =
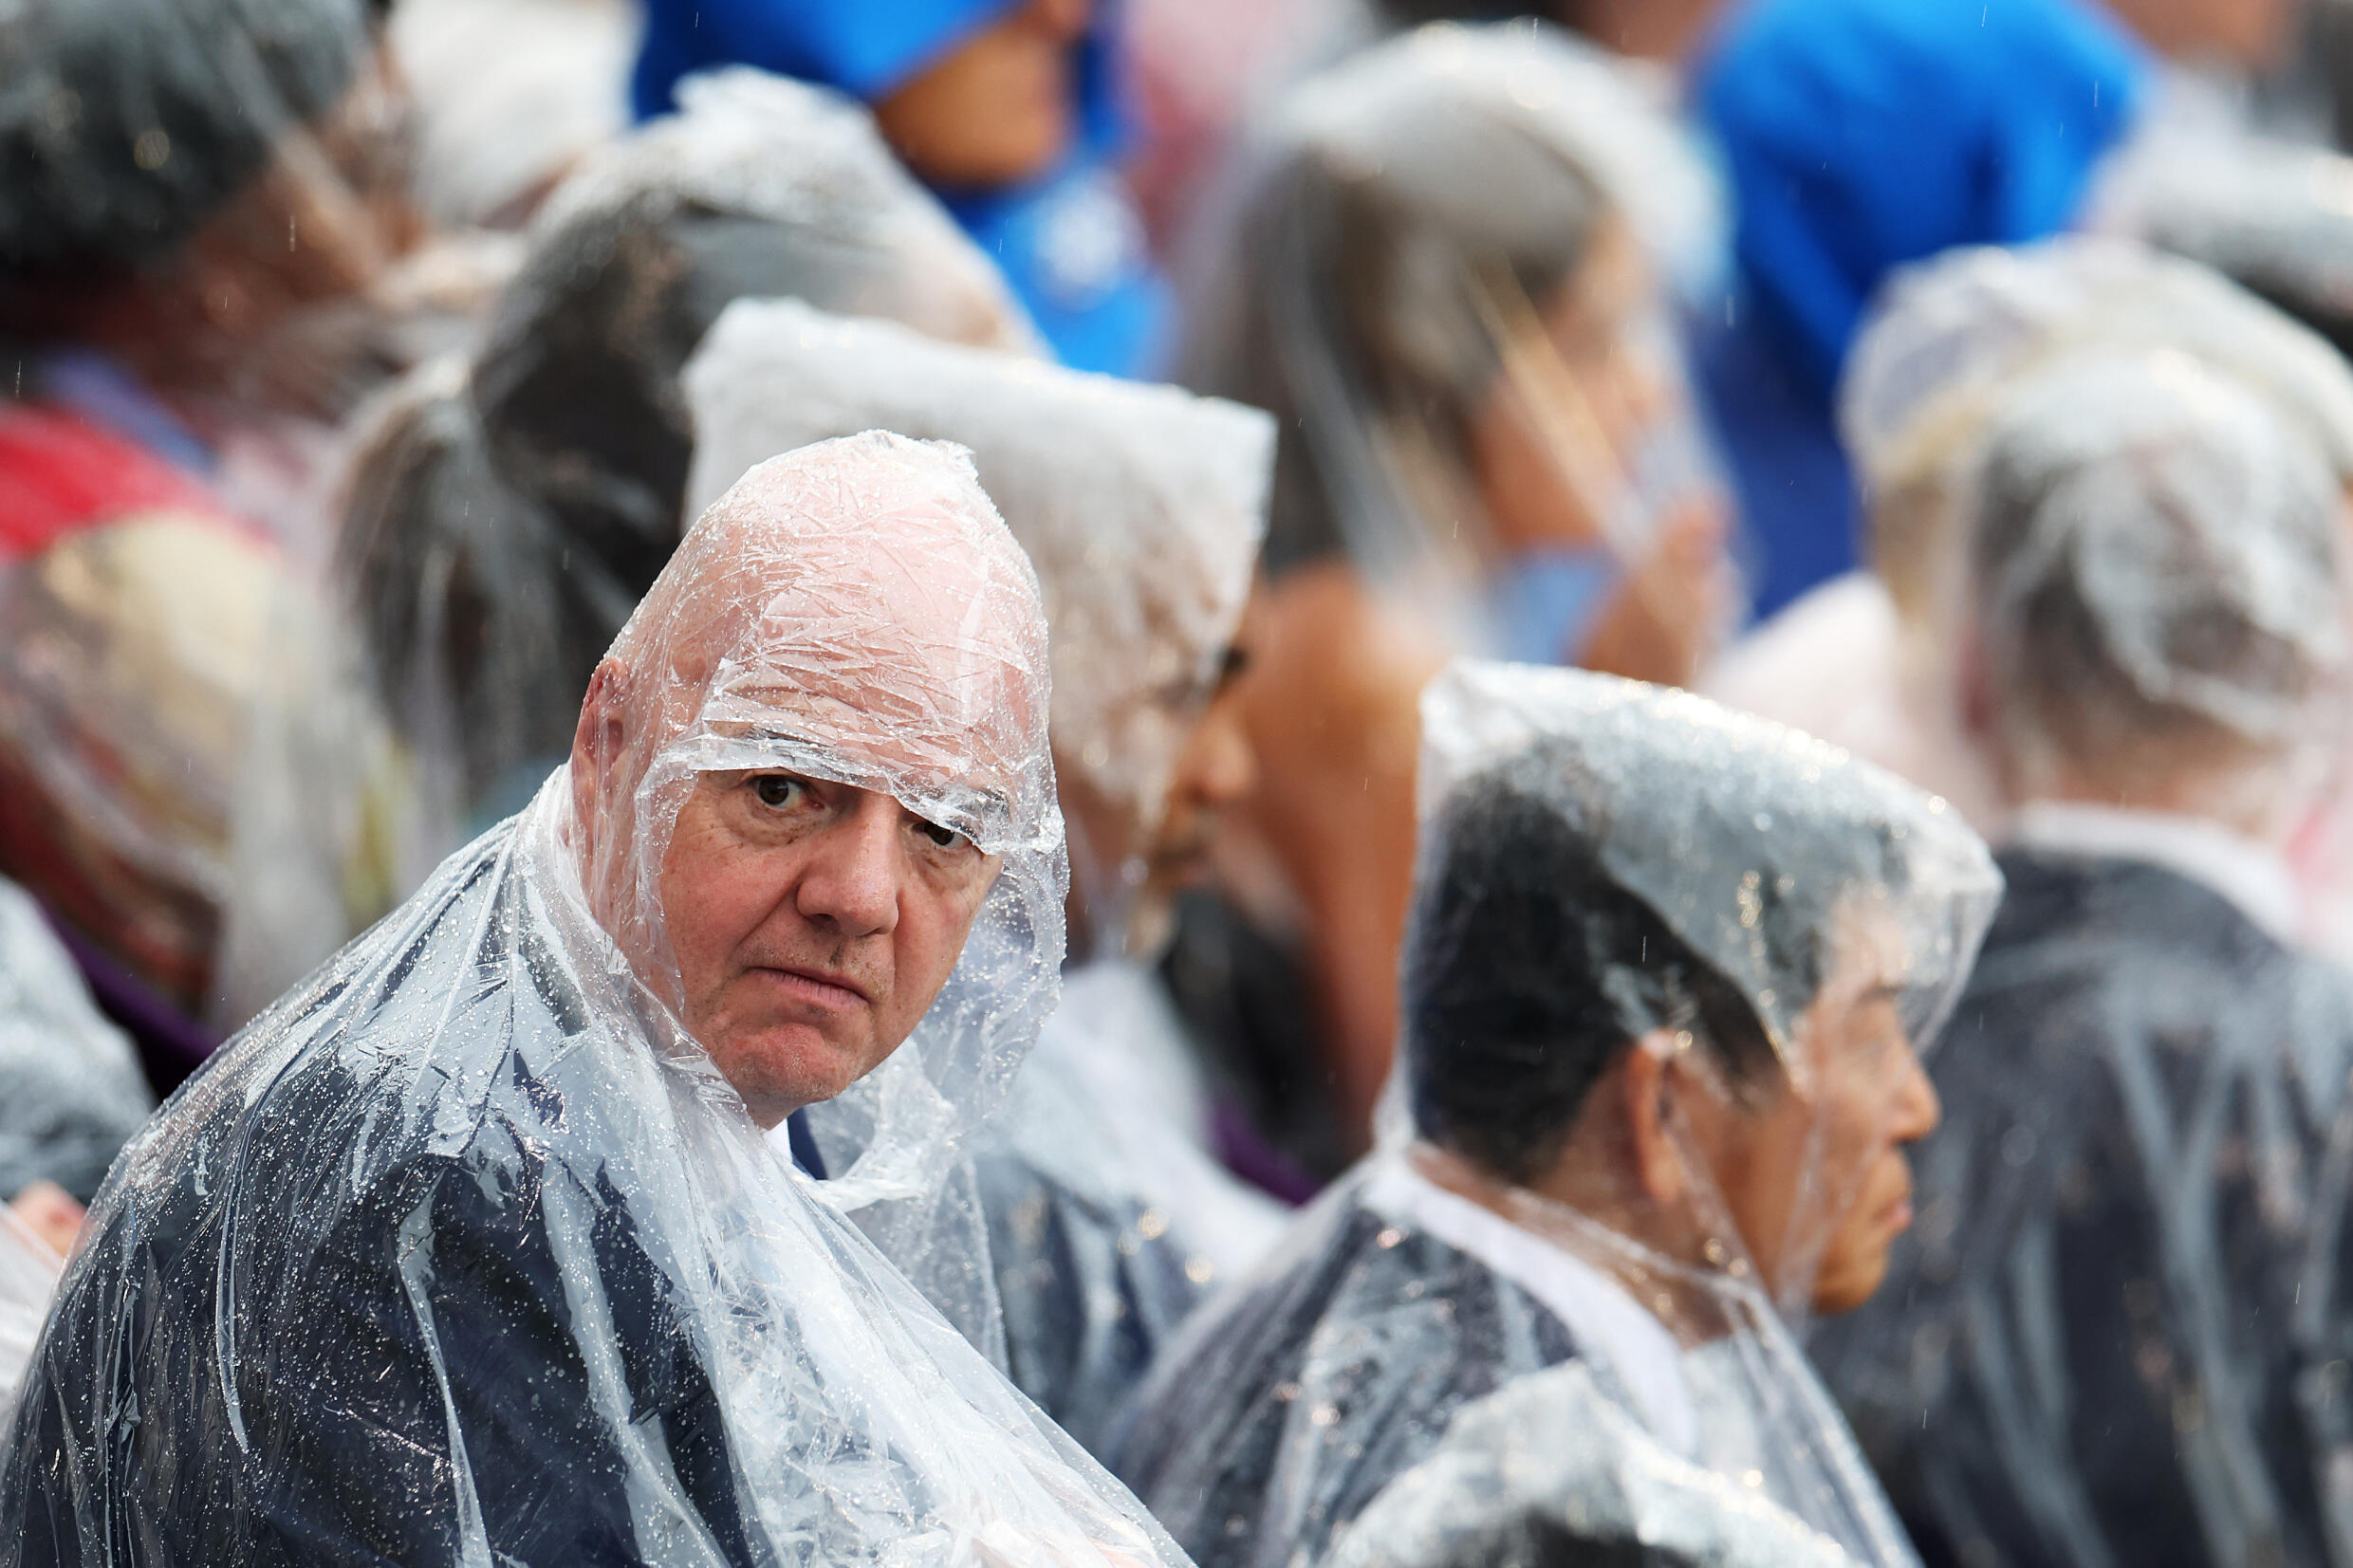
(1069, 241)
(1861, 136)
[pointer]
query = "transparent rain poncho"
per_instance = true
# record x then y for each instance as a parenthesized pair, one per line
(2120, 1335)
(1141, 508)
(1799, 880)
(207, 259)
(1870, 661)
(1441, 269)
(466, 1253)
(504, 515)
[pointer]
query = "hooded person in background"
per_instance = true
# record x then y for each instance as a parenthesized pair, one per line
(1009, 109)
(1443, 273)
(201, 233)
(473, 1248)
(1863, 136)
(1109, 1207)
(504, 516)
(1667, 978)
(1879, 661)
(2120, 1332)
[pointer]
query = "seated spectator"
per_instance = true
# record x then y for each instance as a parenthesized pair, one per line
(1667, 976)
(473, 1249)
(1110, 1210)
(504, 513)
(1012, 110)
(1444, 278)
(2117, 1335)
(200, 237)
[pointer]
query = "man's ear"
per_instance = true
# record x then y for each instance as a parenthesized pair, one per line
(1645, 1083)
(596, 743)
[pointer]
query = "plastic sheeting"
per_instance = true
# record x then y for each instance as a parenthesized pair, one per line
(198, 783)
(605, 1319)
(503, 520)
(70, 1090)
(1550, 1471)
(1798, 877)
(127, 125)
(1141, 508)
(2151, 535)
(1870, 662)
(2117, 1335)
(1496, 204)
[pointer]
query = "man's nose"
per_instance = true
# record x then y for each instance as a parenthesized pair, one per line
(851, 880)
(1917, 1109)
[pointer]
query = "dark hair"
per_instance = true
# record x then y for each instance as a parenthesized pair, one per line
(1528, 969)
(1369, 240)
(125, 124)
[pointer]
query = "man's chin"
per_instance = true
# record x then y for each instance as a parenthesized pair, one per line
(792, 1066)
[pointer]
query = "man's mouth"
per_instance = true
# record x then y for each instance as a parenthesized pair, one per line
(817, 987)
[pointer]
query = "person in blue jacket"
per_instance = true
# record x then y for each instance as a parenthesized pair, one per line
(1009, 109)
(1859, 136)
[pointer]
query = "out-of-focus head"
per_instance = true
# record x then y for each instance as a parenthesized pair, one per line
(258, 142)
(813, 760)
(2159, 590)
(1445, 277)
(2248, 36)
(1861, 136)
(1954, 337)
(760, 187)
(1676, 966)
(1143, 508)
(999, 106)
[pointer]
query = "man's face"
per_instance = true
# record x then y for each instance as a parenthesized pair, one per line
(1817, 1176)
(813, 924)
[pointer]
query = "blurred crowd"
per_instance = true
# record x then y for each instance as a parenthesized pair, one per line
(1281, 784)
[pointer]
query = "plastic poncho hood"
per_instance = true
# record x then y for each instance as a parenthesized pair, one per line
(1742, 836)
(1141, 508)
(603, 1317)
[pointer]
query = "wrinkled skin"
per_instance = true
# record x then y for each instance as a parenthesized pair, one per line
(997, 108)
(813, 924)
(802, 927)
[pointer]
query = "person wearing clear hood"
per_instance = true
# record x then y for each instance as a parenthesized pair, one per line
(1108, 1209)
(1879, 661)
(1667, 979)
(1444, 271)
(506, 510)
(473, 1248)
(2120, 1334)
(205, 261)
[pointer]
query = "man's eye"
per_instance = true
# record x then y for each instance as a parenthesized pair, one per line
(777, 791)
(944, 836)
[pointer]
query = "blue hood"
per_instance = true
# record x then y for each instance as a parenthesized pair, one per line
(1070, 242)
(1862, 134)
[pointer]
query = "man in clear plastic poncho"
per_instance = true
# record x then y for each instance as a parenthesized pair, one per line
(1875, 660)
(505, 512)
(1108, 1209)
(2120, 1332)
(1665, 981)
(472, 1250)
